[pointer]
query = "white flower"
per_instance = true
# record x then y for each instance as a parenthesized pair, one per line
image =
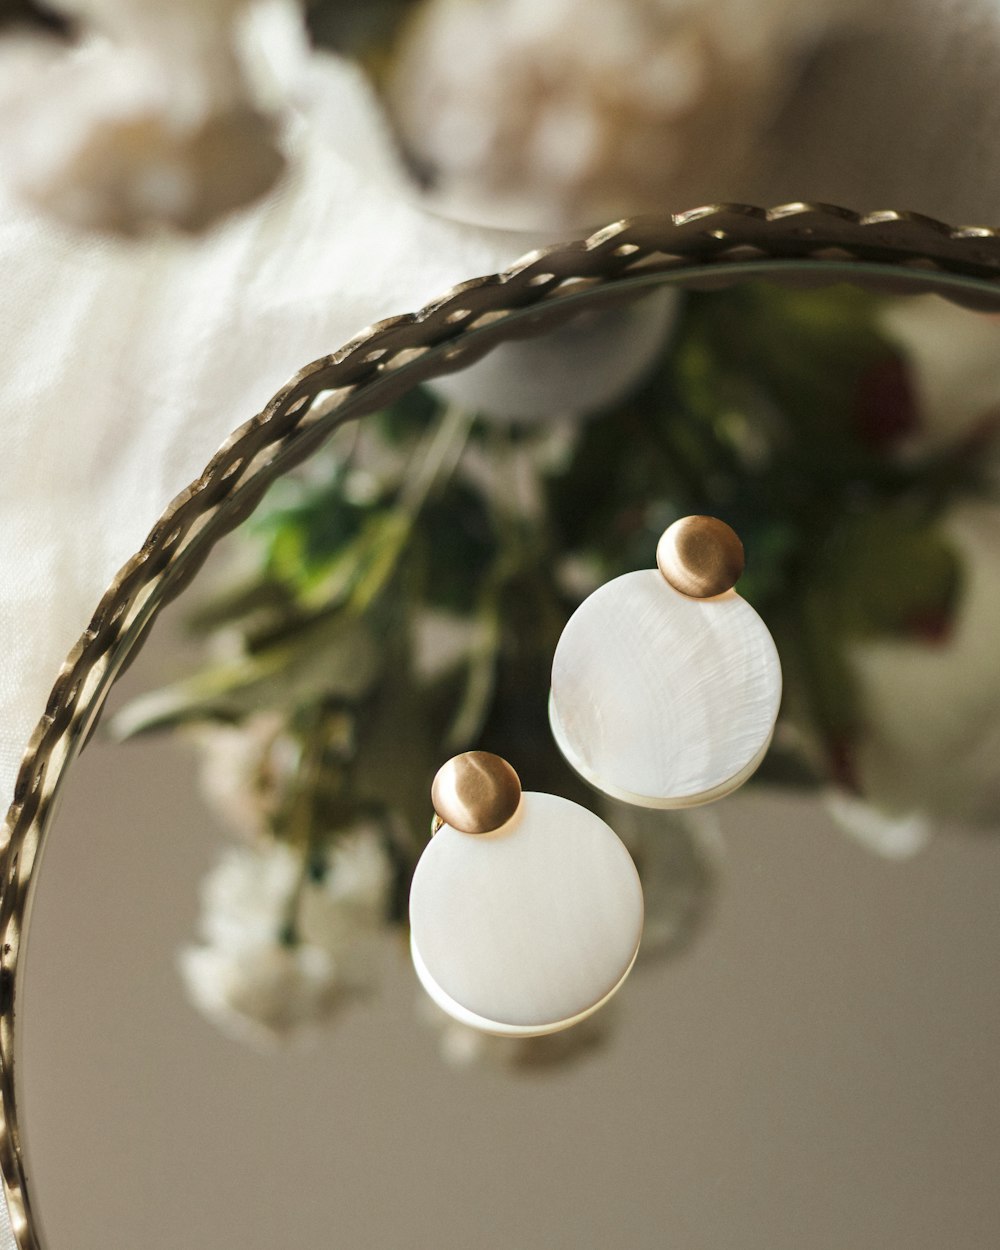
(345, 912)
(245, 897)
(280, 951)
(575, 112)
(930, 743)
(243, 769)
(262, 994)
(257, 987)
(159, 124)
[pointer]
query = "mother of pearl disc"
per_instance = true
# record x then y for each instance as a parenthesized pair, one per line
(662, 700)
(528, 929)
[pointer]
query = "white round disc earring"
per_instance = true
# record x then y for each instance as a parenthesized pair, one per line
(665, 683)
(525, 908)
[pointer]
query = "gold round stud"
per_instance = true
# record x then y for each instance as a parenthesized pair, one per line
(476, 792)
(700, 556)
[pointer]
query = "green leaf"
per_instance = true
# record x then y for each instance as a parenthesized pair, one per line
(889, 573)
(458, 546)
(239, 604)
(335, 657)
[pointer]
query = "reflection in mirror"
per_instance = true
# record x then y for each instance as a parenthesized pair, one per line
(221, 1026)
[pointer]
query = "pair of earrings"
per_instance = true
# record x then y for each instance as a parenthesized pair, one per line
(526, 910)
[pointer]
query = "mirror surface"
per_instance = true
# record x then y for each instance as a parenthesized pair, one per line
(805, 1056)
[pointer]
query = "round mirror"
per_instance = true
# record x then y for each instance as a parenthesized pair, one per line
(220, 1037)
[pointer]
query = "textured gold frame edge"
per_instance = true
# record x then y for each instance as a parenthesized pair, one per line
(704, 245)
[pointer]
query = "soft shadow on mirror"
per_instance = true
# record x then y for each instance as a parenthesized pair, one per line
(222, 1032)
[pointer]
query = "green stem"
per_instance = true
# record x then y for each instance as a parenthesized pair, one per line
(437, 457)
(433, 464)
(300, 829)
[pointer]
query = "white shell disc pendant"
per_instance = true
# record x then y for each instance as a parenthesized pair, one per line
(666, 697)
(528, 927)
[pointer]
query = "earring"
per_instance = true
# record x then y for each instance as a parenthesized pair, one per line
(525, 908)
(665, 683)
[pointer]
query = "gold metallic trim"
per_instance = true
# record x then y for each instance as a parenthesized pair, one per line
(710, 246)
(476, 792)
(700, 556)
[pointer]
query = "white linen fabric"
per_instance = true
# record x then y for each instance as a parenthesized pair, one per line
(126, 364)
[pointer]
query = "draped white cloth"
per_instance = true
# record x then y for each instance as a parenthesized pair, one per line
(124, 365)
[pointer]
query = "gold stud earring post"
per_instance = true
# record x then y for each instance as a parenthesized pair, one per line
(477, 792)
(700, 556)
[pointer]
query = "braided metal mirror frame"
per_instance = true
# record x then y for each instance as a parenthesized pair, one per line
(705, 246)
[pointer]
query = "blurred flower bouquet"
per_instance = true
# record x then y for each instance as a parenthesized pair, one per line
(130, 115)
(399, 600)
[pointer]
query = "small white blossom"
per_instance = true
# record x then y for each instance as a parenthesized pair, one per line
(280, 951)
(345, 912)
(153, 122)
(245, 897)
(244, 769)
(574, 112)
(262, 994)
